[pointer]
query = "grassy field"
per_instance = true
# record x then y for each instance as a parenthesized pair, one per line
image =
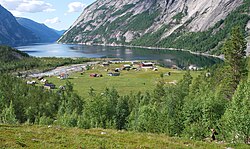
(127, 82)
(41, 137)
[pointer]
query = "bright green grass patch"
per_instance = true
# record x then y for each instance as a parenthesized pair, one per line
(57, 137)
(128, 82)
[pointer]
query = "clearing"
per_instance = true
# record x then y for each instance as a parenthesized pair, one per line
(127, 82)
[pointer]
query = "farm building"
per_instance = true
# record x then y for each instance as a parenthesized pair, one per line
(192, 67)
(44, 81)
(63, 76)
(126, 67)
(148, 65)
(50, 86)
(117, 69)
(113, 74)
(105, 64)
(94, 75)
(31, 82)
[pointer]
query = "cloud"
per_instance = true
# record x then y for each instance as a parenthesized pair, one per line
(30, 6)
(52, 21)
(76, 7)
(17, 13)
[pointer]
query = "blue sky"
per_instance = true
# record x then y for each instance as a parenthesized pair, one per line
(57, 14)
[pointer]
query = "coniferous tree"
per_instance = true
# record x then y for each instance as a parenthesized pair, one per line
(234, 51)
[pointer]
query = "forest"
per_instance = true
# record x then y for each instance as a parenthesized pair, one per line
(216, 100)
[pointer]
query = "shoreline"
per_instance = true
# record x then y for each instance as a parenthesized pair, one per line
(157, 48)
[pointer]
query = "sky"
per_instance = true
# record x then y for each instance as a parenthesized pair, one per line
(57, 14)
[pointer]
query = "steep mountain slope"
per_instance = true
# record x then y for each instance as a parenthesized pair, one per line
(189, 24)
(11, 32)
(45, 33)
(61, 32)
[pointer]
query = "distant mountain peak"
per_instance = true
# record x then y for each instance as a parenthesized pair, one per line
(11, 32)
(45, 33)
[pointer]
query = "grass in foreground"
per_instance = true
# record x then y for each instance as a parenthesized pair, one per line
(127, 82)
(56, 137)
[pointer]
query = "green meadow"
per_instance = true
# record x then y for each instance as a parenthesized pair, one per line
(131, 81)
(55, 137)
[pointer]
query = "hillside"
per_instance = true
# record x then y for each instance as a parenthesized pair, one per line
(60, 137)
(11, 32)
(195, 25)
(44, 33)
(8, 54)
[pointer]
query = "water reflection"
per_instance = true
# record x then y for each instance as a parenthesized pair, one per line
(165, 57)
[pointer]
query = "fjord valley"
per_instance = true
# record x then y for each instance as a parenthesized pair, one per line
(128, 74)
(22, 31)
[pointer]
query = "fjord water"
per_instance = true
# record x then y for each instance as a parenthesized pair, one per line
(165, 57)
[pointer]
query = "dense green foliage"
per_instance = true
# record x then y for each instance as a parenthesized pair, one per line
(142, 21)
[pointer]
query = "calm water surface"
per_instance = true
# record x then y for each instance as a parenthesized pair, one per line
(165, 57)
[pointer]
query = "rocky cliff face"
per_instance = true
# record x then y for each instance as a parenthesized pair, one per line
(136, 21)
(11, 32)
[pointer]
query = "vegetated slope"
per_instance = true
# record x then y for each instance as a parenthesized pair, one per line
(58, 137)
(45, 33)
(8, 54)
(12, 60)
(196, 25)
(11, 32)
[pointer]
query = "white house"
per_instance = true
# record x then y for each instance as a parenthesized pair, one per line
(148, 65)
(192, 67)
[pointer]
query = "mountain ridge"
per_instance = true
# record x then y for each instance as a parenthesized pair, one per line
(11, 32)
(42, 31)
(139, 22)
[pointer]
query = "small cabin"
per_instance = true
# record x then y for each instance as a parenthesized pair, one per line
(148, 65)
(113, 74)
(192, 67)
(44, 81)
(94, 75)
(50, 86)
(40, 78)
(105, 64)
(31, 82)
(117, 69)
(126, 67)
(63, 76)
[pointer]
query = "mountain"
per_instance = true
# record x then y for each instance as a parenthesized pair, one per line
(197, 25)
(11, 32)
(61, 32)
(45, 33)
(8, 54)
